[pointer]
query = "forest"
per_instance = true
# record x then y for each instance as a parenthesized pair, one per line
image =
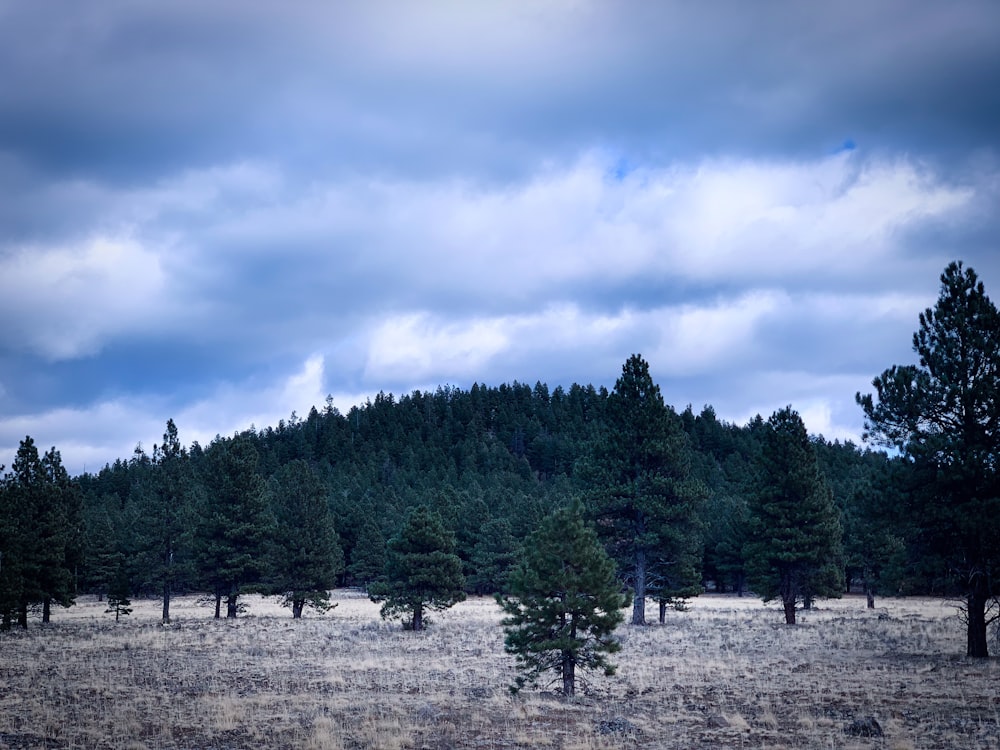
(682, 501)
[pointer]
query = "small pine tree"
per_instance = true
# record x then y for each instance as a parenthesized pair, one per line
(422, 570)
(564, 605)
(119, 593)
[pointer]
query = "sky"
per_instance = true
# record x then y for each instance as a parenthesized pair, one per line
(220, 213)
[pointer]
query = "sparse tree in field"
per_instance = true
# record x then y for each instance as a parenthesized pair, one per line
(422, 570)
(564, 603)
(793, 552)
(119, 593)
(944, 415)
(306, 553)
(643, 497)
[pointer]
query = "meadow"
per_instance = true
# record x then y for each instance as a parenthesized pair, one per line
(725, 674)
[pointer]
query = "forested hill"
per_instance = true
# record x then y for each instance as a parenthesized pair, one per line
(680, 501)
(328, 492)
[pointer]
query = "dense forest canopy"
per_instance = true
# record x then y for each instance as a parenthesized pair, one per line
(492, 461)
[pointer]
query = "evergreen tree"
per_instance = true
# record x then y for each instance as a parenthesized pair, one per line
(40, 534)
(795, 533)
(13, 539)
(166, 499)
(306, 553)
(235, 524)
(422, 570)
(564, 604)
(368, 554)
(493, 557)
(644, 498)
(119, 593)
(104, 540)
(944, 415)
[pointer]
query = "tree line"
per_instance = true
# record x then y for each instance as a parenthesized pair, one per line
(458, 479)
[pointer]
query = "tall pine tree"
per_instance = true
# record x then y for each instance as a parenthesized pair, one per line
(643, 497)
(235, 524)
(793, 552)
(167, 498)
(944, 415)
(306, 556)
(40, 535)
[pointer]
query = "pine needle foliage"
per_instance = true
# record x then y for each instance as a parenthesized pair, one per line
(422, 570)
(944, 415)
(794, 551)
(564, 603)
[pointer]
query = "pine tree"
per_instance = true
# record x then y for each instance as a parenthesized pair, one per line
(368, 554)
(795, 532)
(166, 497)
(564, 603)
(306, 553)
(40, 535)
(944, 415)
(493, 557)
(119, 593)
(104, 542)
(643, 496)
(422, 570)
(235, 523)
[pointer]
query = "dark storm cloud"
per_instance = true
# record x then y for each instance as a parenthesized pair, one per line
(128, 91)
(221, 212)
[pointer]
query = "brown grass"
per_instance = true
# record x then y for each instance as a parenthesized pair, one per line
(726, 674)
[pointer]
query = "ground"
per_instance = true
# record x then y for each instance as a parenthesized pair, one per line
(726, 674)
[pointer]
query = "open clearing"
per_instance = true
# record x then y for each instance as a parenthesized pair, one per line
(726, 674)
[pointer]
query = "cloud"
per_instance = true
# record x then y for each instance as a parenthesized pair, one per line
(134, 91)
(63, 302)
(90, 436)
(203, 199)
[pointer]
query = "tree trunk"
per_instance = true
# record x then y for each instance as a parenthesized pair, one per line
(46, 610)
(418, 617)
(22, 615)
(789, 611)
(166, 582)
(639, 593)
(5, 622)
(976, 613)
(218, 604)
(870, 595)
(568, 674)
(741, 583)
(231, 605)
(663, 611)
(297, 606)
(166, 602)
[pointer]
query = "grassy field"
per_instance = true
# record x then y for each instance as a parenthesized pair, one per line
(726, 674)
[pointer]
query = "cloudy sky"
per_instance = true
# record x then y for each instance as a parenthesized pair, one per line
(222, 212)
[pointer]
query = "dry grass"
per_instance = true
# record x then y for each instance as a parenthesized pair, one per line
(727, 674)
